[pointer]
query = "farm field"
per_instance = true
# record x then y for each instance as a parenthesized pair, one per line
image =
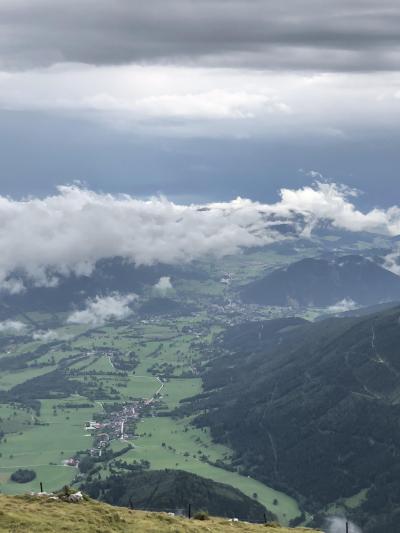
(43, 447)
(166, 347)
(176, 444)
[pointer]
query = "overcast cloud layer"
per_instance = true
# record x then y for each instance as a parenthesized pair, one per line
(70, 231)
(198, 102)
(213, 68)
(139, 93)
(295, 34)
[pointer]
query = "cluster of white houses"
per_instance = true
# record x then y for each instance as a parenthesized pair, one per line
(115, 428)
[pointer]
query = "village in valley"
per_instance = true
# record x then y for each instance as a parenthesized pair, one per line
(118, 422)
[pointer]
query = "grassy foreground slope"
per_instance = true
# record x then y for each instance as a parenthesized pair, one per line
(33, 515)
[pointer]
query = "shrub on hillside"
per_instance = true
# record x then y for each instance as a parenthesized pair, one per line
(23, 475)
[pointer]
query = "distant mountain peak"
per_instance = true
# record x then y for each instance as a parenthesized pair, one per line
(323, 282)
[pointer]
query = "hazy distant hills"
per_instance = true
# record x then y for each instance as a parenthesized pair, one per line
(164, 306)
(108, 276)
(309, 282)
(324, 282)
(313, 407)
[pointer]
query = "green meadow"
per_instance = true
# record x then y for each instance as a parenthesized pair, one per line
(166, 443)
(43, 442)
(43, 447)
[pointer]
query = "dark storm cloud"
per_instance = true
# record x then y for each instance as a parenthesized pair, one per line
(303, 34)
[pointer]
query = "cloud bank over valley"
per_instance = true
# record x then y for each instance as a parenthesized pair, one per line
(44, 238)
(100, 310)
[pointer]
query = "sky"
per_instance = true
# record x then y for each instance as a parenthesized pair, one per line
(171, 130)
(200, 101)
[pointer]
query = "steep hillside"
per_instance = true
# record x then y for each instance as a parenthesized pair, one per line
(323, 282)
(33, 515)
(312, 407)
(174, 489)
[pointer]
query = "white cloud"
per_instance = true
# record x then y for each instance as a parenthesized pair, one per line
(50, 335)
(212, 104)
(342, 306)
(132, 95)
(392, 261)
(338, 525)
(189, 101)
(102, 309)
(72, 230)
(163, 286)
(13, 285)
(12, 325)
(315, 174)
(328, 201)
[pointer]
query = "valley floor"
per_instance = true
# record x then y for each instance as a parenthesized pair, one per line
(44, 443)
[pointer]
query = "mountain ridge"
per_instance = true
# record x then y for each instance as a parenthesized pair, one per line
(312, 408)
(162, 490)
(324, 282)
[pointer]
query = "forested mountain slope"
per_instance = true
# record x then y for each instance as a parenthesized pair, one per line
(312, 407)
(164, 490)
(108, 275)
(324, 282)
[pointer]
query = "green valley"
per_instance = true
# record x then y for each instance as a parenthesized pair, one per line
(64, 384)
